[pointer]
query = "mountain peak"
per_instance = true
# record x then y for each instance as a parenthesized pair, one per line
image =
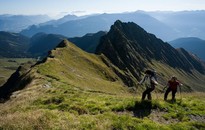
(121, 25)
(63, 43)
(118, 22)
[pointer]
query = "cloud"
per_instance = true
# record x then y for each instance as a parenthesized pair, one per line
(79, 12)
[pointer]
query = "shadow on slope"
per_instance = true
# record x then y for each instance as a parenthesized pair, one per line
(18, 80)
(142, 109)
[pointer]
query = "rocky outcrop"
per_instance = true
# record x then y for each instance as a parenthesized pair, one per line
(131, 49)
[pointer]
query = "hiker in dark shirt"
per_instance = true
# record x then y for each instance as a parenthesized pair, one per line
(172, 85)
(150, 82)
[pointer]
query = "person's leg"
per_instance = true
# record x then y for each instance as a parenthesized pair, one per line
(144, 94)
(149, 96)
(149, 93)
(166, 93)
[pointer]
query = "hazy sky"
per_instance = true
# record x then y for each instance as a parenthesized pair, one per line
(80, 7)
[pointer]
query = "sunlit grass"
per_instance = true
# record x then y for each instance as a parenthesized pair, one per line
(65, 106)
(76, 90)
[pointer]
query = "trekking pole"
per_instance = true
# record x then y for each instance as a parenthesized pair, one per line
(180, 93)
(180, 84)
(136, 89)
(156, 93)
(137, 86)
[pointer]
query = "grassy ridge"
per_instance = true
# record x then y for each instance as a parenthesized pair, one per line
(73, 66)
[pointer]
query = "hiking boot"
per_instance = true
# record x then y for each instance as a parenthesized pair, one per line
(173, 100)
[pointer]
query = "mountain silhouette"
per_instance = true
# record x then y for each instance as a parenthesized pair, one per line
(191, 44)
(66, 18)
(15, 23)
(88, 42)
(41, 43)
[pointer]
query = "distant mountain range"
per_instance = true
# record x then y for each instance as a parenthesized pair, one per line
(185, 23)
(102, 22)
(16, 23)
(41, 43)
(165, 25)
(17, 45)
(13, 44)
(192, 44)
(61, 20)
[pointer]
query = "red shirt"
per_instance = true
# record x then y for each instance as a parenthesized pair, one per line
(173, 84)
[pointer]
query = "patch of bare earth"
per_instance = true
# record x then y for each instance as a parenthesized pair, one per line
(157, 116)
(197, 118)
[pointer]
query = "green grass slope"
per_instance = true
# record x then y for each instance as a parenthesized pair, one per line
(73, 89)
(61, 106)
(73, 66)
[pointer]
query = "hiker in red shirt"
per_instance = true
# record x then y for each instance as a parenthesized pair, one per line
(172, 86)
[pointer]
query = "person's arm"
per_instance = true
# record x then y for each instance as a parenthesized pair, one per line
(154, 81)
(142, 81)
(180, 84)
(166, 86)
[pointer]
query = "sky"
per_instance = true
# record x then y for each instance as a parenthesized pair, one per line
(81, 7)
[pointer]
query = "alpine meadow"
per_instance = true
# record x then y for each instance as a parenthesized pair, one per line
(102, 71)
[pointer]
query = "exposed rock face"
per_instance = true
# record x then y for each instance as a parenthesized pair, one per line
(131, 48)
(62, 44)
(17, 81)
